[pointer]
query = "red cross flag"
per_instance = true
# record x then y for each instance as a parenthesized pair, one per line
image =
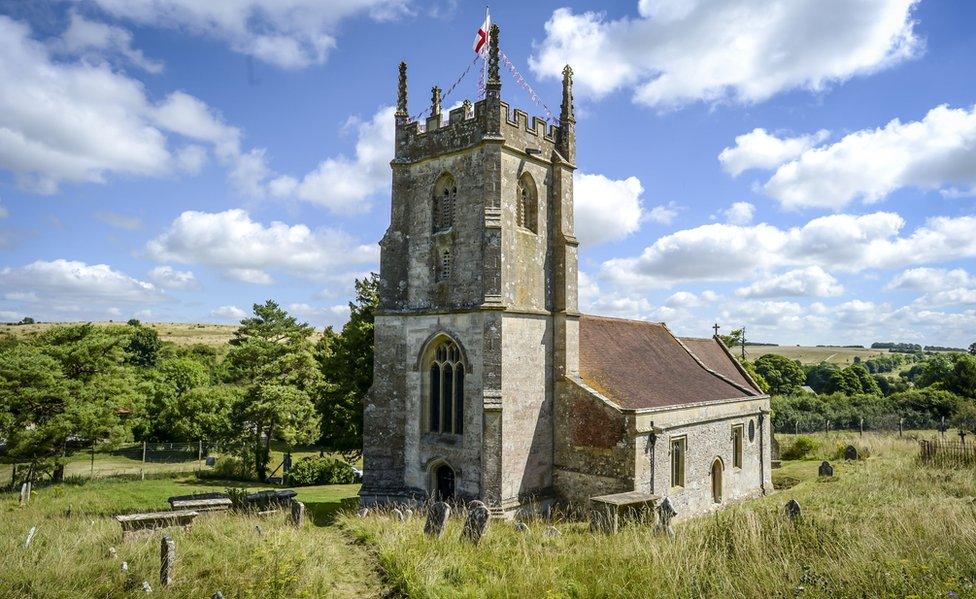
(481, 40)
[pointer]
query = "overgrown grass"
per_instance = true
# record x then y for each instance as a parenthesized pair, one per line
(69, 555)
(882, 527)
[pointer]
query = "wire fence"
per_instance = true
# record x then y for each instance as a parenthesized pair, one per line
(808, 423)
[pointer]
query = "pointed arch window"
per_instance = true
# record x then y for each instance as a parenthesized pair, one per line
(445, 196)
(445, 391)
(527, 204)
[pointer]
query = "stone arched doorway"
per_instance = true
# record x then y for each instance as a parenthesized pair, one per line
(441, 482)
(717, 468)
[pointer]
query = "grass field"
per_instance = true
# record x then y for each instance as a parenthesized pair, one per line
(814, 355)
(178, 333)
(881, 527)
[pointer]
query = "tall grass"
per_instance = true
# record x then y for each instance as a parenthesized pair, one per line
(882, 527)
(69, 555)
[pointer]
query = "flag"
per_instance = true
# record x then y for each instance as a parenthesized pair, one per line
(481, 39)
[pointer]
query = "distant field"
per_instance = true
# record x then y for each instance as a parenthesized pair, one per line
(814, 355)
(179, 333)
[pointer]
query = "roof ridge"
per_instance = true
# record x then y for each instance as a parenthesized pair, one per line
(618, 319)
(706, 368)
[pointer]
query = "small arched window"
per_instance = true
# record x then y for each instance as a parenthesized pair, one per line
(445, 393)
(445, 195)
(527, 204)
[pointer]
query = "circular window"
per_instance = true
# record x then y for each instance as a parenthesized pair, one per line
(752, 431)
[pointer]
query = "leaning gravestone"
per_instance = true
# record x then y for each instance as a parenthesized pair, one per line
(398, 515)
(407, 514)
(297, 513)
(665, 514)
(851, 453)
(362, 513)
(25, 493)
(477, 522)
(437, 516)
(792, 510)
(825, 469)
(167, 560)
(30, 536)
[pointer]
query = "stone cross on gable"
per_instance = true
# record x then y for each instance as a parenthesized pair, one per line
(716, 327)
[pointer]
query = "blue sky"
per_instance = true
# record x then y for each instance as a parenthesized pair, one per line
(806, 169)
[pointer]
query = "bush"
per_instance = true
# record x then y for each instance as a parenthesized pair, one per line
(228, 468)
(321, 471)
(800, 448)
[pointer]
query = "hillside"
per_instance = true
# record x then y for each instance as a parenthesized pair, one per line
(180, 333)
(813, 355)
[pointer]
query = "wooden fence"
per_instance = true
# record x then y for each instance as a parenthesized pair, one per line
(938, 452)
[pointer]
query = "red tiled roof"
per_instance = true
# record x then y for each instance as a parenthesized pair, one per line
(714, 356)
(639, 364)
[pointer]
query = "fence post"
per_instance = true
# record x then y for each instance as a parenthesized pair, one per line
(826, 426)
(862, 426)
(144, 452)
(93, 459)
(796, 427)
(942, 428)
(13, 477)
(901, 423)
(199, 453)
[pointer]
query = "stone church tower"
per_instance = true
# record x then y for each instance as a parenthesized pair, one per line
(478, 320)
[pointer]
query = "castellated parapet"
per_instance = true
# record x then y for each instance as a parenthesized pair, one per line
(462, 129)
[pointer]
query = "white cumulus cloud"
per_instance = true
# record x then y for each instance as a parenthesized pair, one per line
(606, 209)
(739, 213)
(292, 34)
(937, 152)
(811, 281)
(245, 250)
(94, 39)
(168, 277)
(71, 283)
(759, 149)
(712, 50)
(229, 313)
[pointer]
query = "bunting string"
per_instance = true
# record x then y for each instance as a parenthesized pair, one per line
(528, 88)
(447, 94)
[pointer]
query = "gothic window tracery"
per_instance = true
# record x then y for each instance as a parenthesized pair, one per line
(445, 389)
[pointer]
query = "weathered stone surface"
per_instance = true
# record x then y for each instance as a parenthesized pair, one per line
(825, 469)
(363, 512)
(521, 527)
(167, 561)
(851, 453)
(298, 513)
(552, 531)
(407, 514)
(665, 514)
(437, 515)
(793, 509)
(146, 587)
(476, 523)
(217, 595)
(398, 515)
(30, 536)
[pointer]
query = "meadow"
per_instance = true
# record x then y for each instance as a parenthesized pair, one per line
(881, 527)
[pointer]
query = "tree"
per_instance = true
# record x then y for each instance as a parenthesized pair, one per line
(818, 377)
(783, 374)
(166, 386)
(758, 378)
(143, 347)
(961, 379)
(853, 380)
(63, 390)
(26, 320)
(972, 348)
(347, 367)
(201, 413)
(271, 357)
(733, 339)
(965, 417)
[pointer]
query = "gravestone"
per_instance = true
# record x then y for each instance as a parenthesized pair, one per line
(257, 529)
(30, 536)
(521, 527)
(217, 595)
(851, 453)
(665, 514)
(437, 516)
(145, 587)
(792, 510)
(124, 567)
(25, 493)
(363, 512)
(112, 552)
(398, 515)
(298, 513)
(407, 514)
(825, 469)
(167, 560)
(552, 531)
(477, 522)
(211, 460)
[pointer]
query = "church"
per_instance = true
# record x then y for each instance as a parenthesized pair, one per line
(488, 383)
